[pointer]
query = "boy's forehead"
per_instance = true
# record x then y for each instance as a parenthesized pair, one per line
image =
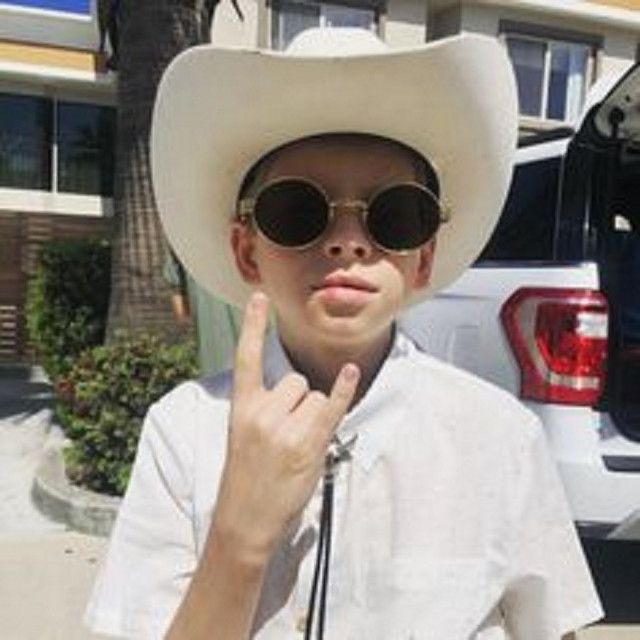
(333, 156)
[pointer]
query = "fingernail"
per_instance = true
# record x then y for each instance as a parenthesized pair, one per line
(258, 300)
(351, 372)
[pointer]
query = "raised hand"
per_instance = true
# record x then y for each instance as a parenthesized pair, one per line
(277, 443)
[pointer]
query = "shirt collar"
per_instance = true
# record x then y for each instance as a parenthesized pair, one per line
(376, 415)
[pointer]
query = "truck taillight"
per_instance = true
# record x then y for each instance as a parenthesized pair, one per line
(559, 338)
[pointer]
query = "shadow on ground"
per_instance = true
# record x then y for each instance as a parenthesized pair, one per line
(23, 390)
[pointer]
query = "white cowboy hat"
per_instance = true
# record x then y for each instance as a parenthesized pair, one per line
(219, 110)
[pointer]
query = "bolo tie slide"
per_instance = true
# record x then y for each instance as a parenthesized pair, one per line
(338, 452)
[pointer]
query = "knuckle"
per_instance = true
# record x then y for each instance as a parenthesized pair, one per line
(242, 361)
(297, 381)
(291, 447)
(297, 453)
(316, 397)
(342, 394)
(248, 351)
(241, 420)
(263, 422)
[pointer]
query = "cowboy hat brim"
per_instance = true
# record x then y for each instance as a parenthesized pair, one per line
(219, 110)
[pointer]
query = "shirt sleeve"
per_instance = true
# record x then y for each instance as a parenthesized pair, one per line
(550, 591)
(151, 555)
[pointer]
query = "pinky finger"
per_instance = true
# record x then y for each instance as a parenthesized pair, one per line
(342, 394)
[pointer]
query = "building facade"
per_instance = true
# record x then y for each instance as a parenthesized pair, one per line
(57, 134)
(58, 99)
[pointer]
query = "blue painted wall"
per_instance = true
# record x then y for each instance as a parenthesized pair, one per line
(72, 6)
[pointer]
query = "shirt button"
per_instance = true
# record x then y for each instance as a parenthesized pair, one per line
(301, 621)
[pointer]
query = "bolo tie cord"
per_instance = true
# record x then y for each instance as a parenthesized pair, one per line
(322, 559)
(340, 451)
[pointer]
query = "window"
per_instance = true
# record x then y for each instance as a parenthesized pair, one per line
(551, 76)
(86, 136)
(25, 142)
(526, 230)
(290, 17)
(57, 146)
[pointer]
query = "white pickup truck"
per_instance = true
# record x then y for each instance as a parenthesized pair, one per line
(551, 310)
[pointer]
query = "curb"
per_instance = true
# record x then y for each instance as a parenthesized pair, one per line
(81, 509)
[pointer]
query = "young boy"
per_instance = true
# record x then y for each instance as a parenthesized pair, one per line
(339, 481)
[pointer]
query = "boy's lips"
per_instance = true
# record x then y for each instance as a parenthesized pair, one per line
(343, 281)
(345, 293)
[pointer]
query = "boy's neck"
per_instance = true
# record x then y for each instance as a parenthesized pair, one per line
(320, 362)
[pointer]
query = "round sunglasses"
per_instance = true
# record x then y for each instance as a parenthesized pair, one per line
(296, 213)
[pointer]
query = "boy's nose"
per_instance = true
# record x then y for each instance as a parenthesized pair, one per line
(346, 238)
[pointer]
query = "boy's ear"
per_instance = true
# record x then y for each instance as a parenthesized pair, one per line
(243, 247)
(423, 272)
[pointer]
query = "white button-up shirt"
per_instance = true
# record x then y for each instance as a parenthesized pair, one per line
(450, 522)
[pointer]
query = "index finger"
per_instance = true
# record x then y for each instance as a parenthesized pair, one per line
(342, 393)
(247, 373)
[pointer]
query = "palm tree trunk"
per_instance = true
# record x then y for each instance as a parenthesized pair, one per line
(152, 32)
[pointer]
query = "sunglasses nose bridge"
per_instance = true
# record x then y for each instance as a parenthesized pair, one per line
(346, 235)
(348, 205)
(355, 211)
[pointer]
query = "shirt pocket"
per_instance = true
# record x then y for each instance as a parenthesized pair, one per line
(431, 599)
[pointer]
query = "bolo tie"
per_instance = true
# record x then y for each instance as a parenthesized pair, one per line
(338, 452)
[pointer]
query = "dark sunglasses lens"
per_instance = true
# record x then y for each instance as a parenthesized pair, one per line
(403, 217)
(291, 213)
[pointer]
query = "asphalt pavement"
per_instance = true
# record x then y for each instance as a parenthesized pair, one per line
(47, 570)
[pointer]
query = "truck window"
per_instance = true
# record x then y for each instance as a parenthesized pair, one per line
(526, 229)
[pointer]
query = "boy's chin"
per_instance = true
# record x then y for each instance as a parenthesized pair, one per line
(350, 330)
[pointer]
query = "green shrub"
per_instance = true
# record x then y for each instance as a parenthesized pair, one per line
(67, 301)
(103, 400)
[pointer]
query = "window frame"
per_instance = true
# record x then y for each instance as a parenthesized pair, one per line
(51, 200)
(379, 7)
(550, 36)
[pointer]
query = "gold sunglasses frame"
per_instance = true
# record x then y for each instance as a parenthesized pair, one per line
(246, 208)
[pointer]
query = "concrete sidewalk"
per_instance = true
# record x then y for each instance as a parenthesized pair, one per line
(46, 579)
(610, 632)
(25, 427)
(46, 571)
